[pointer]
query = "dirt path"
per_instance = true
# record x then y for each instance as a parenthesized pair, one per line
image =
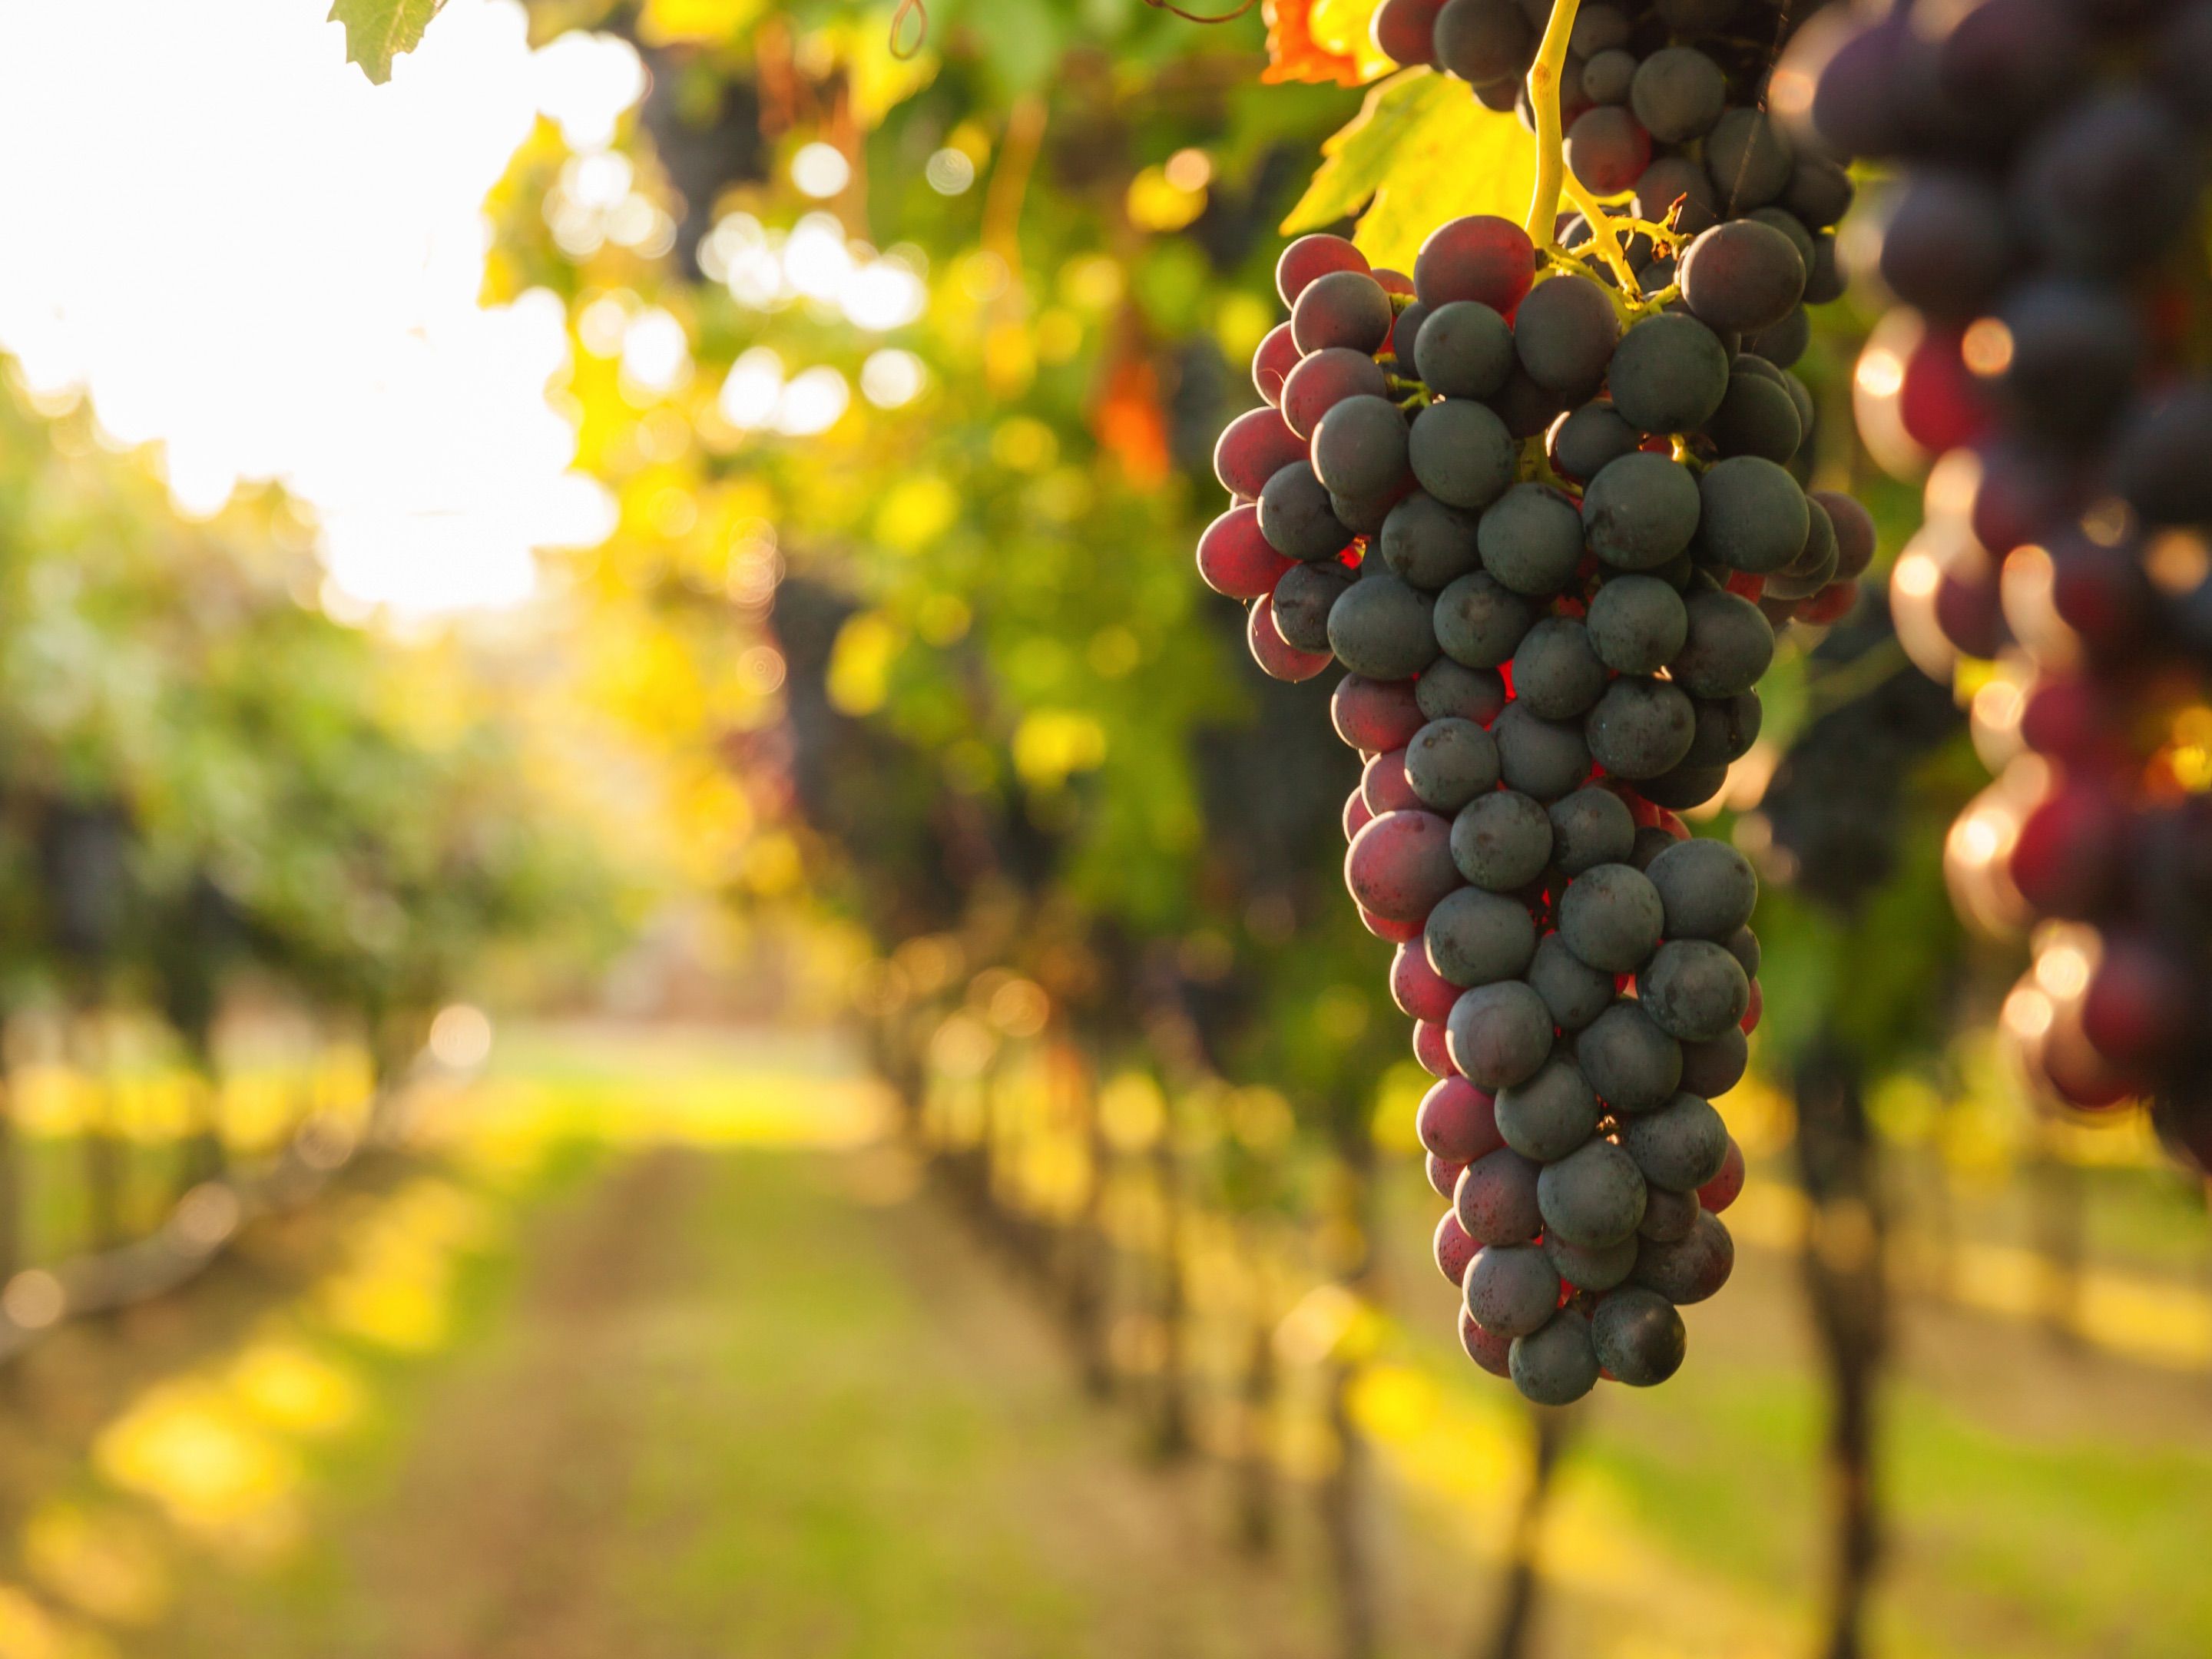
(731, 1410)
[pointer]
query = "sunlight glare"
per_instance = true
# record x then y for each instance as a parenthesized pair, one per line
(306, 312)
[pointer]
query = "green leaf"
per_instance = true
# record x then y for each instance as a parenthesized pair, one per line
(1420, 151)
(378, 31)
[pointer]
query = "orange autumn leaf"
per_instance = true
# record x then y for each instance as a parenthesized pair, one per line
(1129, 424)
(1294, 53)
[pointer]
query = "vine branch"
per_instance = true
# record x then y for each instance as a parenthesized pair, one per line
(1544, 95)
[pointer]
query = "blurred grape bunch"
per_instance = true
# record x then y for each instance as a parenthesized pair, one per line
(2047, 362)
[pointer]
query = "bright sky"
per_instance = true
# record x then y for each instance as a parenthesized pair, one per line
(214, 226)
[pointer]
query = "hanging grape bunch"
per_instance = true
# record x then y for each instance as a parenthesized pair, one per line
(1539, 504)
(2049, 354)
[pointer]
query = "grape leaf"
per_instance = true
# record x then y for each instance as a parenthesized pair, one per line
(1420, 151)
(378, 31)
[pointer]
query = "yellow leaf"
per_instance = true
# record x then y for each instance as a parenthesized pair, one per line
(1347, 28)
(1420, 151)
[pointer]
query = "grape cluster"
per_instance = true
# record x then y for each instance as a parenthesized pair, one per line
(1663, 106)
(2047, 352)
(1534, 516)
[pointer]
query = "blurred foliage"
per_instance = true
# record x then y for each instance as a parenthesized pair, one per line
(207, 775)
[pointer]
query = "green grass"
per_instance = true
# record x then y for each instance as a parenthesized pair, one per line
(729, 1404)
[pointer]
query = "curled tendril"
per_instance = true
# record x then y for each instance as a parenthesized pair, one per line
(1200, 17)
(919, 11)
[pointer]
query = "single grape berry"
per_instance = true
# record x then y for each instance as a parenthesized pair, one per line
(1590, 827)
(1456, 1120)
(1548, 1115)
(1756, 417)
(1296, 516)
(1495, 1199)
(1502, 840)
(1638, 1337)
(1539, 757)
(1253, 448)
(1481, 256)
(1634, 1065)
(1669, 373)
(1610, 916)
(1820, 190)
(1477, 937)
(1451, 763)
(1427, 544)
(1360, 448)
(1677, 94)
(1233, 557)
(1707, 888)
(1462, 454)
(1556, 1365)
(1598, 28)
(1608, 149)
(1401, 864)
(1730, 647)
(1742, 276)
(1641, 727)
(1272, 363)
(1637, 624)
(1464, 349)
(1500, 1034)
(1511, 1289)
(1557, 674)
(1680, 1146)
(1454, 1250)
(1684, 787)
(1358, 815)
(1593, 1196)
(1302, 600)
(1383, 627)
(1693, 989)
(1385, 788)
(1403, 31)
(1641, 511)
(1563, 335)
(1752, 516)
(1750, 159)
(1689, 1269)
(1482, 42)
(1531, 539)
(1372, 715)
(1493, 1353)
(1724, 1188)
(1608, 77)
(1479, 623)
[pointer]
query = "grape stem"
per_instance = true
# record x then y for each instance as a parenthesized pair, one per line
(1605, 235)
(1544, 97)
